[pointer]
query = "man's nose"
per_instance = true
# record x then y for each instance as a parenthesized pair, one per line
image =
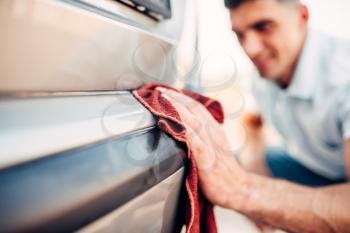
(252, 45)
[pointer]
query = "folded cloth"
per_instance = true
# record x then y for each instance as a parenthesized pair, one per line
(199, 211)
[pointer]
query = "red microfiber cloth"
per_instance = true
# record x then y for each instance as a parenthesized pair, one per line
(199, 211)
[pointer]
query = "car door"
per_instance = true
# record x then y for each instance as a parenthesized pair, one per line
(78, 151)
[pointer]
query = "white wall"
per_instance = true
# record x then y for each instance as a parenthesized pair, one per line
(332, 16)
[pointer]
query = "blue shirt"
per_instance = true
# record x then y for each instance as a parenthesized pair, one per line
(313, 113)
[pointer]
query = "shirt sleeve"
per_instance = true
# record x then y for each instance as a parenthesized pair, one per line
(345, 114)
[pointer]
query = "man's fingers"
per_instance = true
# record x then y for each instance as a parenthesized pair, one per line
(203, 152)
(194, 123)
(213, 131)
(193, 106)
(199, 119)
(191, 122)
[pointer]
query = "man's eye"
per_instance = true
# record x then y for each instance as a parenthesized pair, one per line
(262, 27)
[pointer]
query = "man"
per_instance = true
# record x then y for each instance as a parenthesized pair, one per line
(304, 92)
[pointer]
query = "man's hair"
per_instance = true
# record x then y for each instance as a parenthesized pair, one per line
(236, 3)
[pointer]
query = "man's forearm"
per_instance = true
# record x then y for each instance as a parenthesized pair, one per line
(294, 207)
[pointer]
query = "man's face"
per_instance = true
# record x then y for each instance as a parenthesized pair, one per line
(271, 33)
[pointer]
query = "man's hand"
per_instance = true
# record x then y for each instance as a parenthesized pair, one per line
(221, 178)
(278, 203)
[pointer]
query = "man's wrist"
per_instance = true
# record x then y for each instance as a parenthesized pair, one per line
(240, 196)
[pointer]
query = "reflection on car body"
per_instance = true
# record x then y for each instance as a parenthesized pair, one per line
(79, 153)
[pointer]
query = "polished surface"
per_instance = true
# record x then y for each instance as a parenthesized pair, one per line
(68, 46)
(153, 211)
(169, 29)
(35, 127)
(76, 147)
(67, 191)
